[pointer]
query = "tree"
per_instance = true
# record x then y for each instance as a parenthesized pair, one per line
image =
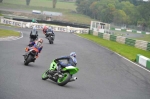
(110, 13)
(27, 2)
(1, 1)
(120, 17)
(145, 14)
(83, 6)
(54, 3)
(93, 9)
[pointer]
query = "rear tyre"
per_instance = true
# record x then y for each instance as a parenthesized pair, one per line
(28, 60)
(49, 42)
(64, 80)
(25, 62)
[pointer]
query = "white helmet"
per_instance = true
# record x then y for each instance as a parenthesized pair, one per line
(39, 42)
(73, 54)
(34, 27)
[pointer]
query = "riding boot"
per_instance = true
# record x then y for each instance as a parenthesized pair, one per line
(59, 69)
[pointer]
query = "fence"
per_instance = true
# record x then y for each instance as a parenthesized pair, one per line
(40, 26)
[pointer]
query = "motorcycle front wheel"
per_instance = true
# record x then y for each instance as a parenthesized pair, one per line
(44, 75)
(28, 60)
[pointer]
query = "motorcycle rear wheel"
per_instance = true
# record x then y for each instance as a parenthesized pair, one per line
(28, 60)
(64, 80)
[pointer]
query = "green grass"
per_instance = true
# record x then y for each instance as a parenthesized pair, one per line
(146, 37)
(122, 49)
(77, 18)
(65, 8)
(5, 33)
(44, 3)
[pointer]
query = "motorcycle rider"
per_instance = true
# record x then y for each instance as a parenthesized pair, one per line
(49, 29)
(71, 61)
(37, 44)
(45, 29)
(34, 33)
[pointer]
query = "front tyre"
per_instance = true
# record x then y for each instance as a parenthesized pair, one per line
(50, 42)
(28, 60)
(64, 80)
(44, 75)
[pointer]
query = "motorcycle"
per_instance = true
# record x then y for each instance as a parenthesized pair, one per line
(64, 77)
(30, 55)
(33, 38)
(50, 36)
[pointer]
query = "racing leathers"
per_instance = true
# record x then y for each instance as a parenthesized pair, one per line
(45, 29)
(34, 34)
(33, 44)
(71, 61)
(51, 32)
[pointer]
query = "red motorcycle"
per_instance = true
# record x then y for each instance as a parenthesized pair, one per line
(30, 55)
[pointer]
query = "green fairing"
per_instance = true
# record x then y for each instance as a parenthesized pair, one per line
(44, 74)
(53, 66)
(71, 70)
(62, 79)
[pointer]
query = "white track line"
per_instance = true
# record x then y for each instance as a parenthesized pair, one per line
(117, 54)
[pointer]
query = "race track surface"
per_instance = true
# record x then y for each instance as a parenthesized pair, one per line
(128, 34)
(102, 75)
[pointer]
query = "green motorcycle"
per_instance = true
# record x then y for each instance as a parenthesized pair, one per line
(64, 77)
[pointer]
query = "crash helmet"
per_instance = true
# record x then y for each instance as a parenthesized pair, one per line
(34, 27)
(39, 43)
(73, 54)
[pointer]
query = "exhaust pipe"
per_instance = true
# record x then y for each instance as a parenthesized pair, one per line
(73, 79)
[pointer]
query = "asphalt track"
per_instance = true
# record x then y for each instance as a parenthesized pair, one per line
(102, 75)
(128, 34)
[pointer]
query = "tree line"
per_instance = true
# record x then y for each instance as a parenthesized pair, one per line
(128, 12)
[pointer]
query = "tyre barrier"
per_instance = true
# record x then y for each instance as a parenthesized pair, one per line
(140, 44)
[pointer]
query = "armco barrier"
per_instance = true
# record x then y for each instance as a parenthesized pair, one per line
(40, 26)
(144, 61)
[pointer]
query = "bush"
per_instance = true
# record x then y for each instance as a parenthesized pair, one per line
(1, 1)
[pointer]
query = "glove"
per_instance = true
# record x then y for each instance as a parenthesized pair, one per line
(30, 45)
(55, 60)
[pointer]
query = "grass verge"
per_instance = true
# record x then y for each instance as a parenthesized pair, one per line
(6, 33)
(44, 3)
(69, 14)
(146, 37)
(127, 51)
